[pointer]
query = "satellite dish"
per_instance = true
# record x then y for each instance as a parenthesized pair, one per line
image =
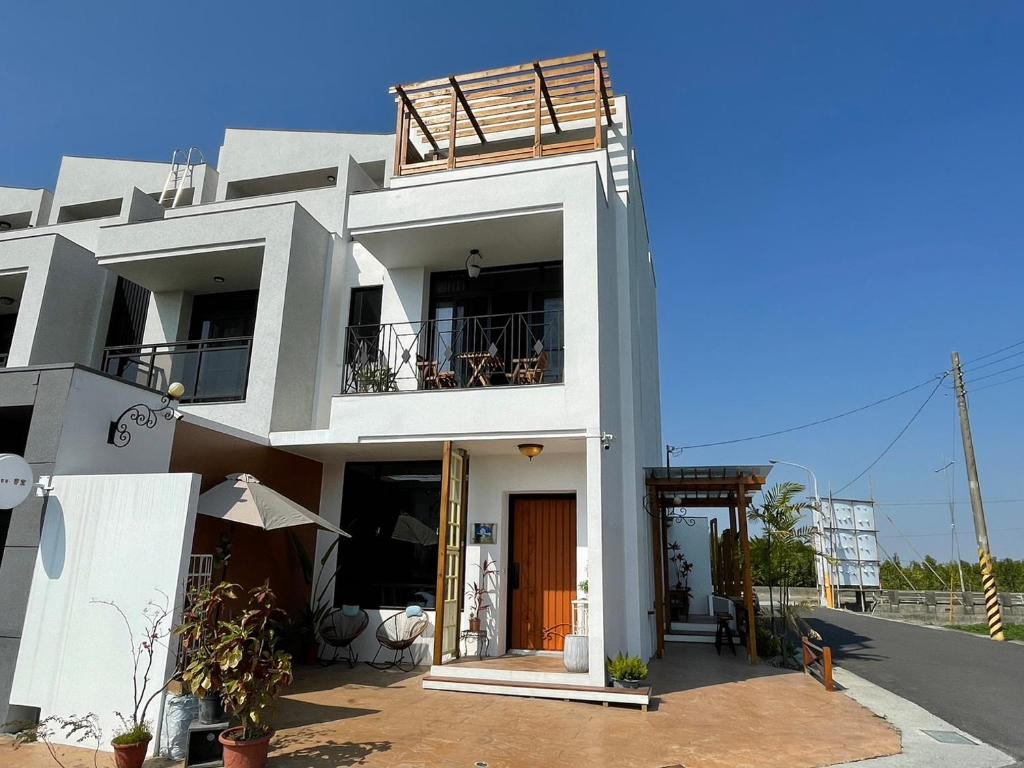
(16, 480)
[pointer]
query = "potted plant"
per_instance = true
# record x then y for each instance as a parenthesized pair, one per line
(199, 659)
(251, 670)
(627, 671)
(477, 593)
(131, 739)
(375, 377)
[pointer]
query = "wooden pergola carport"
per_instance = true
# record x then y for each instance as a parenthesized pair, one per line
(729, 487)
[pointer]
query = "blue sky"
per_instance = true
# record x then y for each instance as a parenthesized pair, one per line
(834, 190)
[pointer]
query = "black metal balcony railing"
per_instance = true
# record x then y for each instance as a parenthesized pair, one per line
(3, 359)
(455, 353)
(212, 370)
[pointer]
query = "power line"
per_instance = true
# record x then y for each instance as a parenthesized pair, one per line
(943, 503)
(944, 533)
(990, 375)
(940, 377)
(996, 384)
(899, 434)
(994, 362)
(990, 354)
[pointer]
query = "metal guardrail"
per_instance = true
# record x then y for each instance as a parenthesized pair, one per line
(818, 662)
(455, 353)
(212, 370)
(3, 359)
(895, 597)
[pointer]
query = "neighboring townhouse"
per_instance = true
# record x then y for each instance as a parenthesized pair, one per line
(443, 340)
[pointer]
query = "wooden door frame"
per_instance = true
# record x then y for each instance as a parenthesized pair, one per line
(510, 549)
(439, 609)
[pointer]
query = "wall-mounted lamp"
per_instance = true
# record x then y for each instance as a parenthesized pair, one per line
(331, 178)
(473, 262)
(530, 450)
(144, 416)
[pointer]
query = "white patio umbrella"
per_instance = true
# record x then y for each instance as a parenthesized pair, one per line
(409, 528)
(243, 499)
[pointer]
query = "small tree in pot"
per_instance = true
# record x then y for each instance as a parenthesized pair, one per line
(477, 593)
(252, 672)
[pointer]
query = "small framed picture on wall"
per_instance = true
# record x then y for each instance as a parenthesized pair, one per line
(485, 533)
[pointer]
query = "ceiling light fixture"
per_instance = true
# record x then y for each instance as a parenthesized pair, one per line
(530, 450)
(218, 279)
(4, 225)
(331, 178)
(6, 301)
(473, 262)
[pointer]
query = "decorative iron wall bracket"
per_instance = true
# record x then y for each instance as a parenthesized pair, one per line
(139, 416)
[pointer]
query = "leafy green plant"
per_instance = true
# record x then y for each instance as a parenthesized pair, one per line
(376, 377)
(238, 657)
(626, 668)
(132, 734)
(478, 591)
(584, 587)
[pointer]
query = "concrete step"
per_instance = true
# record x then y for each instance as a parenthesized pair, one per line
(689, 636)
(634, 696)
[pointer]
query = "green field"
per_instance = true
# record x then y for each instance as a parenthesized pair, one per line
(1011, 631)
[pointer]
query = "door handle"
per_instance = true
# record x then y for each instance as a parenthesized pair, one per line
(513, 577)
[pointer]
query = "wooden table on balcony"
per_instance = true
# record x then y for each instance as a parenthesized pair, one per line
(484, 365)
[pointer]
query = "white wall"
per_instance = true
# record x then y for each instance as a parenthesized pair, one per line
(93, 402)
(123, 538)
(695, 543)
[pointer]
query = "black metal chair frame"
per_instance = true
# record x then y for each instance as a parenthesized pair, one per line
(398, 647)
(328, 633)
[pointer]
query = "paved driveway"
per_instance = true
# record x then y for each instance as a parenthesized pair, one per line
(711, 712)
(974, 683)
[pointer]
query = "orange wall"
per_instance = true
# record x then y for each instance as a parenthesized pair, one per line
(256, 555)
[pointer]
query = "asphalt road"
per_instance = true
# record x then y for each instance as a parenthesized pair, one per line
(972, 682)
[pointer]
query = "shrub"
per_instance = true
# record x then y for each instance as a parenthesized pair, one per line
(626, 668)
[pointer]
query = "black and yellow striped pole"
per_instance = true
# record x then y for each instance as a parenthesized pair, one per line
(993, 611)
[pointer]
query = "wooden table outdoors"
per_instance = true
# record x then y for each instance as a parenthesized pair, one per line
(483, 365)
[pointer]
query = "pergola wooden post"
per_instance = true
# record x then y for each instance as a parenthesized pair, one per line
(657, 536)
(748, 579)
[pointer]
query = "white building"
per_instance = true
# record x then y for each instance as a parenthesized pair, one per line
(375, 325)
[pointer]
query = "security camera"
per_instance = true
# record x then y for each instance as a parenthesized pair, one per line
(606, 440)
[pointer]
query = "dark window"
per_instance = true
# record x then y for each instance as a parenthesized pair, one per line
(392, 510)
(128, 314)
(364, 322)
(14, 424)
(7, 332)
(497, 290)
(223, 315)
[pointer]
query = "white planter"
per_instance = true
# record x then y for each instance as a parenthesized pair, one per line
(576, 653)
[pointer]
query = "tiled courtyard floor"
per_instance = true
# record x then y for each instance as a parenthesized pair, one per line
(711, 712)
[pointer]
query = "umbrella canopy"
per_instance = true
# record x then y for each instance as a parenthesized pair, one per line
(409, 528)
(242, 499)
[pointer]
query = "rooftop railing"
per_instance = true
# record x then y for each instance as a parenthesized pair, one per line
(519, 348)
(3, 359)
(212, 370)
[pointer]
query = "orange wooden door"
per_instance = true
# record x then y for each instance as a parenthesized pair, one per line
(543, 578)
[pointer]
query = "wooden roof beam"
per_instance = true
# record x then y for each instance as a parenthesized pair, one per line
(604, 91)
(467, 110)
(547, 96)
(416, 116)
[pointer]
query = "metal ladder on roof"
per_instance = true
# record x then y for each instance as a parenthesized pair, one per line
(179, 177)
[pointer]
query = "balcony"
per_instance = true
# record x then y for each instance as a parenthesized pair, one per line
(3, 359)
(520, 348)
(212, 370)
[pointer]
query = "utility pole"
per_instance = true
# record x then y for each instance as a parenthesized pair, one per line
(988, 581)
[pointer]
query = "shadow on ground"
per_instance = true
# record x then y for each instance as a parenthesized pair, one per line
(845, 643)
(300, 750)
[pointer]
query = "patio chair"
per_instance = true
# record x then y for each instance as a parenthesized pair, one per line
(339, 631)
(530, 370)
(397, 634)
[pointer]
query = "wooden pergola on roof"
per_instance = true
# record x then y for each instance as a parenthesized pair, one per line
(536, 109)
(730, 487)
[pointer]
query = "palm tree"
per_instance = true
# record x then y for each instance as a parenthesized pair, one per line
(780, 515)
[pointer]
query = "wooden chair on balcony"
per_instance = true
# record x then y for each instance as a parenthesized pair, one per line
(529, 370)
(433, 378)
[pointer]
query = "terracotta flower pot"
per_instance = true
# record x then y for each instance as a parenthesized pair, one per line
(474, 624)
(130, 755)
(244, 754)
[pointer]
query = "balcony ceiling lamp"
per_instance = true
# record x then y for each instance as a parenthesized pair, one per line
(6, 301)
(331, 178)
(530, 450)
(473, 262)
(5, 225)
(218, 278)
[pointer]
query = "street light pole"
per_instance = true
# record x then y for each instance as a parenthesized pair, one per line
(824, 584)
